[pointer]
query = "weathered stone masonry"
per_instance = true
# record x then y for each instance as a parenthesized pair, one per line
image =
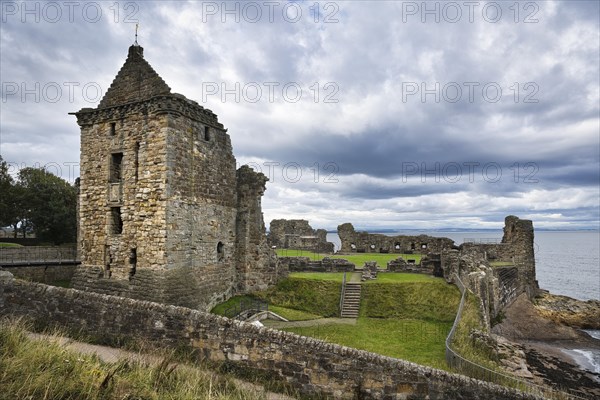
(312, 366)
(364, 242)
(298, 234)
(164, 215)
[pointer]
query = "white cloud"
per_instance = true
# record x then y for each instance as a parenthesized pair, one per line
(370, 54)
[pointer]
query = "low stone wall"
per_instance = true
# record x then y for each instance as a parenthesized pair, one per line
(400, 265)
(47, 273)
(304, 264)
(312, 366)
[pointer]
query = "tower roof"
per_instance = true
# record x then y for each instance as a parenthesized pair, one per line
(136, 81)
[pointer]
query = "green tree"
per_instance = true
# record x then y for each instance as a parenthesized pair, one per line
(6, 185)
(48, 205)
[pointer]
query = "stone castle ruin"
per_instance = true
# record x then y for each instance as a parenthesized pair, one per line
(164, 215)
(496, 272)
(298, 234)
(364, 242)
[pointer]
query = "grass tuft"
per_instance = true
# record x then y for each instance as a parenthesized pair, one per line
(42, 369)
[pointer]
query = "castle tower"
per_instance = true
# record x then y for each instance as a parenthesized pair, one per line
(159, 198)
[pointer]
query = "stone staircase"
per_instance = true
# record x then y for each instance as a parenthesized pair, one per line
(351, 301)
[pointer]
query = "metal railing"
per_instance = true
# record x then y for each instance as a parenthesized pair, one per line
(474, 370)
(38, 254)
(245, 309)
(343, 294)
(482, 240)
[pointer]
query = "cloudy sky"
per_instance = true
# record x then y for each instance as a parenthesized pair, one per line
(387, 114)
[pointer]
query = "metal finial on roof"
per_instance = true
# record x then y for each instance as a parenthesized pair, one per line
(136, 34)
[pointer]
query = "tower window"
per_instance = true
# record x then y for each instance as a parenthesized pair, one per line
(220, 251)
(113, 128)
(206, 133)
(136, 160)
(116, 223)
(116, 165)
(132, 262)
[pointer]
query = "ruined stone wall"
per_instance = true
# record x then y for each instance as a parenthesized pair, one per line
(314, 367)
(364, 242)
(496, 285)
(298, 234)
(256, 263)
(305, 264)
(519, 234)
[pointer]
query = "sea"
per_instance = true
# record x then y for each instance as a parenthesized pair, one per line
(567, 263)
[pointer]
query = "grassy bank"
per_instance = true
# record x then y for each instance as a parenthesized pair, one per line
(426, 298)
(297, 298)
(402, 315)
(414, 340)
(463, 344)
(32, 369)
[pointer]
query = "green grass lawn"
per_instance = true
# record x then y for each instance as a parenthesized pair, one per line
(430, 301)
(501, 263)
(357, 259)
(402, 315)
(414, 340)
(4, 244)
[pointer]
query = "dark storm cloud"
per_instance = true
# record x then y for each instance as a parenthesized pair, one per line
(395, 152)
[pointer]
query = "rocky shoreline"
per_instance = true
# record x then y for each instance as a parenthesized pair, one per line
(568, 311)
(541, 332)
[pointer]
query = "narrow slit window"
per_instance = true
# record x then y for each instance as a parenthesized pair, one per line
(206, 133)
(220, 251)
(132, 262)
(116, 221)
(113, 128)
(136, 160)
(116, 166)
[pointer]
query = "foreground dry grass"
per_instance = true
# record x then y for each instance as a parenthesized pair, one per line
(42, 369)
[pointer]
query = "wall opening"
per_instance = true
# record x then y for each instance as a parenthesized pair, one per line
(206, 133)
(136, 160)
(132, 262)
(116, 223)
(113, 128)
(424, 245)
(107, 261)
(220, 251)
(397, 246)
(116, 166)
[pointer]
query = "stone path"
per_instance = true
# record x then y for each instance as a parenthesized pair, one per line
(310, 322)
(354, 277)
(113, 355)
